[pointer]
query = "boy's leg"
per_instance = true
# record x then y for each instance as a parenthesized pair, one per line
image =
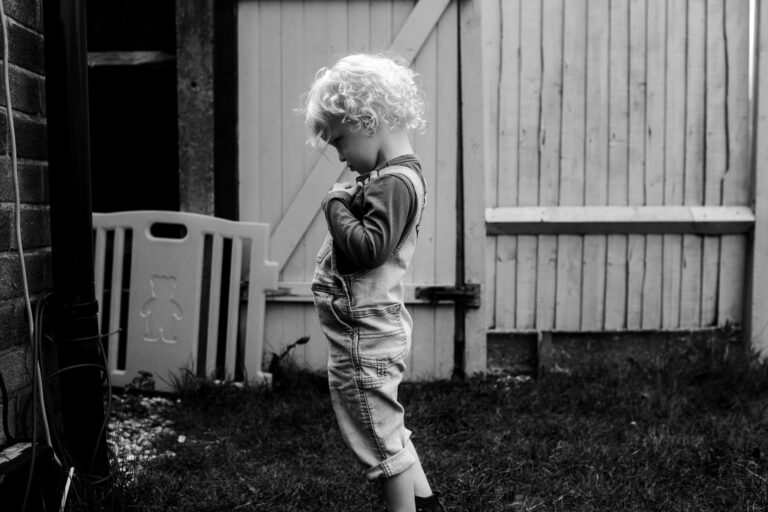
(425, 499)
(398, 492)
(420, 483)
(410, 490)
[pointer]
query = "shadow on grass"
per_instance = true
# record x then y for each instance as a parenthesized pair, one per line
(689, 433)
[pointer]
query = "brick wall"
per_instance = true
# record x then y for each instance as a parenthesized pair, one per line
(28, 101)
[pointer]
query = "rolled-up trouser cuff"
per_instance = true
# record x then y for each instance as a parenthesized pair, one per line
(394, 465)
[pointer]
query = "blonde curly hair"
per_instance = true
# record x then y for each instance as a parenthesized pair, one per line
(366, 90)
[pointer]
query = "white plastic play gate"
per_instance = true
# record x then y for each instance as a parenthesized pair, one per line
(181, 291)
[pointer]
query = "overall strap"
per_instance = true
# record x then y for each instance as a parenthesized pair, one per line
(421, 195)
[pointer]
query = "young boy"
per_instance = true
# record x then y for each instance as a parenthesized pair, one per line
(364, 107)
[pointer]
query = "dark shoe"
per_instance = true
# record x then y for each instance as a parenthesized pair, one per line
(429, 504)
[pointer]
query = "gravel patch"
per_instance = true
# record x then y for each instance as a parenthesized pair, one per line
(135, 423)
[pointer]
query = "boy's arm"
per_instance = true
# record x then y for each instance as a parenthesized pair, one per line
(387, 206)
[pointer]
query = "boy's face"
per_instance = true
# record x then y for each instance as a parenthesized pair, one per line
(359, 149)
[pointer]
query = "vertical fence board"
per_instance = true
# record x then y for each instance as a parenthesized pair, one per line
(636, 143)
(737, 180)
(618, 126)
(446, 127)
(492, 72)
(596, 161)
(732, 279)
(509, 94)
(757, 322)
(248, 111)
(549, 147)
(674, 158)
(693, 178)
(270, 108)
(432, 262)
(715, 160)
(654, 157)
(316, 39)
(528, 174)
(472, 158)
(270, 113)
(297, 319)
(359, 27)
(303, 317)
(425, 146)
(570, 247)
(292, 78)
(381, 25)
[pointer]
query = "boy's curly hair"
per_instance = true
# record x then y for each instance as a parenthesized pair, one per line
(366, 90)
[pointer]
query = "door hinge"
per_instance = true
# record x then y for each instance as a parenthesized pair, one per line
(469, 294)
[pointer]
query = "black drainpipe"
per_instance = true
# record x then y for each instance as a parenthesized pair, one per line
(75, 306)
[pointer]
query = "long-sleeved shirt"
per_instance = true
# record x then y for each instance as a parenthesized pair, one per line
(366, 228)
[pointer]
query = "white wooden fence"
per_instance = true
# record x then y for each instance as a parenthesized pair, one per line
(613, 138)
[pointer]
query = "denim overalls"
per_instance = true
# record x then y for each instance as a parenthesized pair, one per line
(369, 335)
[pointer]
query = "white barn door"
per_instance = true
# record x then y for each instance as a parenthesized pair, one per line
(281, 44)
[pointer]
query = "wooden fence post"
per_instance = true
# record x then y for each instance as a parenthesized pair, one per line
(194, 61)
(473, 165)
(757, 316)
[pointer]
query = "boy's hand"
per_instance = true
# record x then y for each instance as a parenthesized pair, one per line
(347, 187)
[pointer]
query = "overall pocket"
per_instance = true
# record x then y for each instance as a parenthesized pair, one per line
(328, 309)
(382, 344)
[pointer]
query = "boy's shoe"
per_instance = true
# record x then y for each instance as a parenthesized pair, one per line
(429, 504)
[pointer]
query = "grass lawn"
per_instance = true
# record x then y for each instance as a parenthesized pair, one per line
(684, 435)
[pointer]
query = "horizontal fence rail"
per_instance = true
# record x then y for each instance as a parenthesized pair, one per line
(583, 220)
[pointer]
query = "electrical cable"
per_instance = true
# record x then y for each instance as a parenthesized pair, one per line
(39, 314)
(37, 388)
(66, 489)
(109, 400)
(73, 367)
(14, 167)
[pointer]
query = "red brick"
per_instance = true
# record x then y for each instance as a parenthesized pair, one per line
(33, 182)
(8, 334)
(25, 12)
(26, 48)
(6, 228)
(25, 91)
(11, 282)
(3, 132)
(31, 137)
(13, 363)
(35, 228)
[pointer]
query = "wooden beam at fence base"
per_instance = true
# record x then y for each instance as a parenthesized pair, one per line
(756, 314)
(570, 220)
